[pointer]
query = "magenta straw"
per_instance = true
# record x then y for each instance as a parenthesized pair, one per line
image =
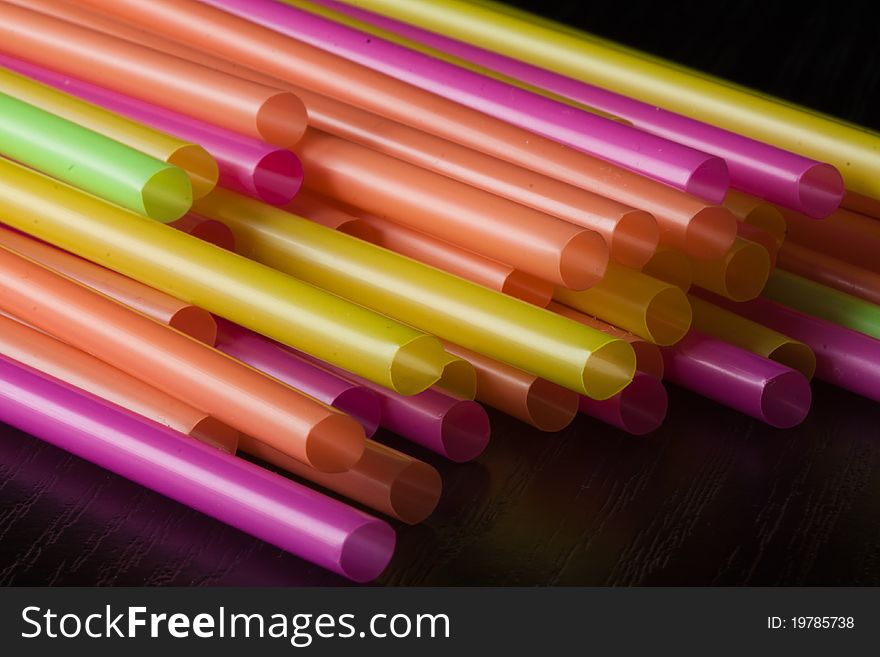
(295, 518)
(739, 379)
(777, 175)
(638, 409)
(315, 381)
(246, 165)
(667, 161)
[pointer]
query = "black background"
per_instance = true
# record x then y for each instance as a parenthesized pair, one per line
(712, 498)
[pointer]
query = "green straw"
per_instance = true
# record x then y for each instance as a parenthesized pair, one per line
(94, 163)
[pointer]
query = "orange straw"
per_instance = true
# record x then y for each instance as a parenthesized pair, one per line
(55, 358)
(209, 230)
(321, 210)
(686, 222)
(180, 366)
(845, 235)
(843, 276)
(163, 308)
(244, 106)
(670, 266)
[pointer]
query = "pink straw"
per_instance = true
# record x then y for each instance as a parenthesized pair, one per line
(667, 161)
(638, 409)
(780, 176)
(739, 379)
(246, 165)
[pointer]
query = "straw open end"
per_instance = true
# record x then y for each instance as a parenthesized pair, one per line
(768, 218)
(797, 356)
(710, 180)
(201, 168)
(820, 189)
(278, 176)
(361, 404)
(635, 239)
(785, 400)
(609, 369)
(668, 316)
(710, 233)
(167, 195)
(465, 431)
(281, 120)
(528, 288)
(367, 550)
(415, 492)
(335, 443)
(417, 365)
(213, 432)
(459, 377)
(197, 323)
(747, 271)
(583, 260)
(643, 405)
(550, 407)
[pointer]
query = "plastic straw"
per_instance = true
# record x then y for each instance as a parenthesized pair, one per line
(650, 308)
(686, 222)
(757, 235)
(241, 494)
(667, 161)
(752, 336)
(822, 301)
(845, 235)
(851, 149)
(44, 353)
(670, 266)
(179, 366)
(385, 480)
(233, 287)
(739, 379)
(280, 363)
(259, 111)
(322, 210)
(192, 158)
(162, 307)
(530, 399)
(649, 358)
(638, 409)
(480, 319)
(842, 276)
(870, 207)
(459, 378)
(755, 167)
(206, 230)
(739, 275)
(92, 162)
(247, 165)
(756, 212)
(496, 228)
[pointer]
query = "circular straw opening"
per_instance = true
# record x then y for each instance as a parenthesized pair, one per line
(417, 365)
(415, 492)
(550, 407)
(335, 443)
(167, 195)
(200, 166)
(710, 180)
(768, 218)
(797, 356)
(747, 271)
(785, 400)
(197, 323)
(635, 239)
(460, 378)
(710, 233)
(465, 431)
(366, 552)
(583, 260)
(820, 190)
(643, 405)
(214, 432)
(668, 316)
(361, 404)
(278, 176)
(528, 288)
(281, 120)
(609, 369)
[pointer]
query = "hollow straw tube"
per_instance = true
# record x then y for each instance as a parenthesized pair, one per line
(241, 494)
(233, 287)
(739, 379)
(652, 309)
(756, 167)
(530, 399)
(92, 162)
(480, 319)
(822, 301)
(44, 353)
(245, 164)
(753, 233)
(638, 409)
(728, 326)
(259, 111)
(649, 358)
(496, 228)
(192, 158)
(845, 235)
(322, 210)
(670, 266)
(207, 230)
(739, 275)
(685, 221)
(631, 234)
(276, 361)
(179, 365)
(848, 148)
(844, 358)
(459, 378)
(385, 480)
(870, 207)
(185, 317)
(842, 276)
(756, 212)
(667, 161)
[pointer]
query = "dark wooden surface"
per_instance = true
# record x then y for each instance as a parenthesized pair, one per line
(711, 498)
